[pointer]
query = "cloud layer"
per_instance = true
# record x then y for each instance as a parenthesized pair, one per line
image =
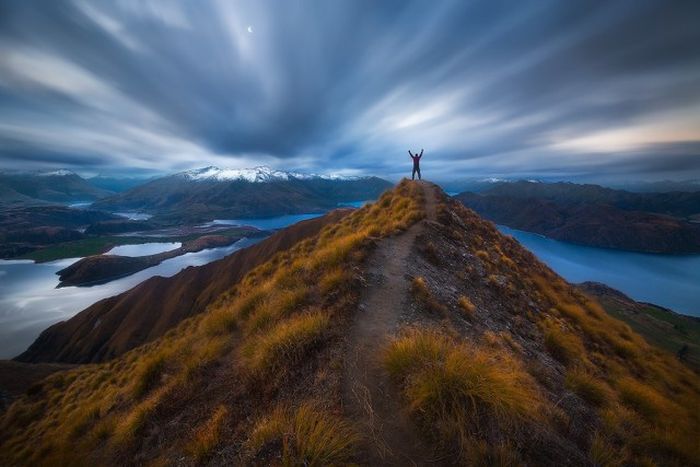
(486, 87)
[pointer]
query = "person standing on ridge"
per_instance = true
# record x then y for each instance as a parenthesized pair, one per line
(416, 164)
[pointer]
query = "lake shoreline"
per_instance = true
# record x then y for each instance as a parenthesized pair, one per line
(665, 280)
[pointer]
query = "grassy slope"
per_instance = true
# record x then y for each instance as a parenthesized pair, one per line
(503, 362)
(662, 328)
(264, 346)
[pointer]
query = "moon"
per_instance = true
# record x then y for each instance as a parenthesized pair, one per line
(250, 29)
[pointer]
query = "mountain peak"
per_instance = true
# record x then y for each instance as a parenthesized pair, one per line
(57, 173)
(258, 174)
(39, 173)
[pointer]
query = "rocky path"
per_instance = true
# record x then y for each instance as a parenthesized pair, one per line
(367, 392)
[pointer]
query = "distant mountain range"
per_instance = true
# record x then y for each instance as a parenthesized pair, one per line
(594, 215)
(213, 193)
(116, 184)
(59, 186)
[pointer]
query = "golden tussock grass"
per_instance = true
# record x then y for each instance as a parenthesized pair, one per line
(645, 396)
(147, 374)
(562, 345)
(478, 452)
(286, 343)
(605, 454)
(588, 387)
(306, 435)
(275, 318)
(452, 388)
(483, 255)
(467, 307)
(422, 294)
(642, 398)
(278, 306)
(208, 435)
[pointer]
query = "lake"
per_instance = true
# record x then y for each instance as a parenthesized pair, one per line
(30, 301)
(666, 280)
(143, 249)
(269, 223)
(134, 216)
(273, 223)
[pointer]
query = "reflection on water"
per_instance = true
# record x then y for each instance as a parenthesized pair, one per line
(29, 301)
(143, 249)
(354, 204)
(134, 216)
(268, 223)
(667, 280)
(80, 204)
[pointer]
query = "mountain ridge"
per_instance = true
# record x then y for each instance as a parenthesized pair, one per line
(490, 358)
(593, 215)
(216, 194)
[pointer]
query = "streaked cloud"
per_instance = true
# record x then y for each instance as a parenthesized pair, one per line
(486, 87)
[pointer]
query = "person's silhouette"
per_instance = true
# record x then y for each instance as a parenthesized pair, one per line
(416, 164)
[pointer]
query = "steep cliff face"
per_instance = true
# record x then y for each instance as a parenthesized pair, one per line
(408, 332)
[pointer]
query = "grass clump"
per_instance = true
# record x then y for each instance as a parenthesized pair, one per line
(587, 387)
(453, 389)
(286, 343)
(645, 400)
(422, 294)
(564, 346)
(208, 435)
(467, 307)
(276, 307)
(148, 375)
(304, 436)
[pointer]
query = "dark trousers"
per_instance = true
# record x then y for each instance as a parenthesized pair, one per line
(413, 175)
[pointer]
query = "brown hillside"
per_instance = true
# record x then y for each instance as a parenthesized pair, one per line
(408, 332)
(117, 324)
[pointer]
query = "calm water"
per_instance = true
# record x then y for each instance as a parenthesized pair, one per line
(134, 216)
(354, 204)
(269, 223)
(666, 280)
(30, 302)
(143, 249)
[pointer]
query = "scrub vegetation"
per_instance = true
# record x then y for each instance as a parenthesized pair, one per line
(496, 361)
(269, 342)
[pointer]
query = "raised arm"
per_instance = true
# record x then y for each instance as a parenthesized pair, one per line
(421, 154)
(409, 153)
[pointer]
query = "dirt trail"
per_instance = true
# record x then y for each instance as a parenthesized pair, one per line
(367, 390)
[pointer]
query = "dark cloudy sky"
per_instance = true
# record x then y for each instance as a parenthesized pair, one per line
(555, 87)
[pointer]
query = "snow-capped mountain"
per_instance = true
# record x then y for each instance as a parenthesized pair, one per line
(260, 174)
(56, 173)
(214, 193)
